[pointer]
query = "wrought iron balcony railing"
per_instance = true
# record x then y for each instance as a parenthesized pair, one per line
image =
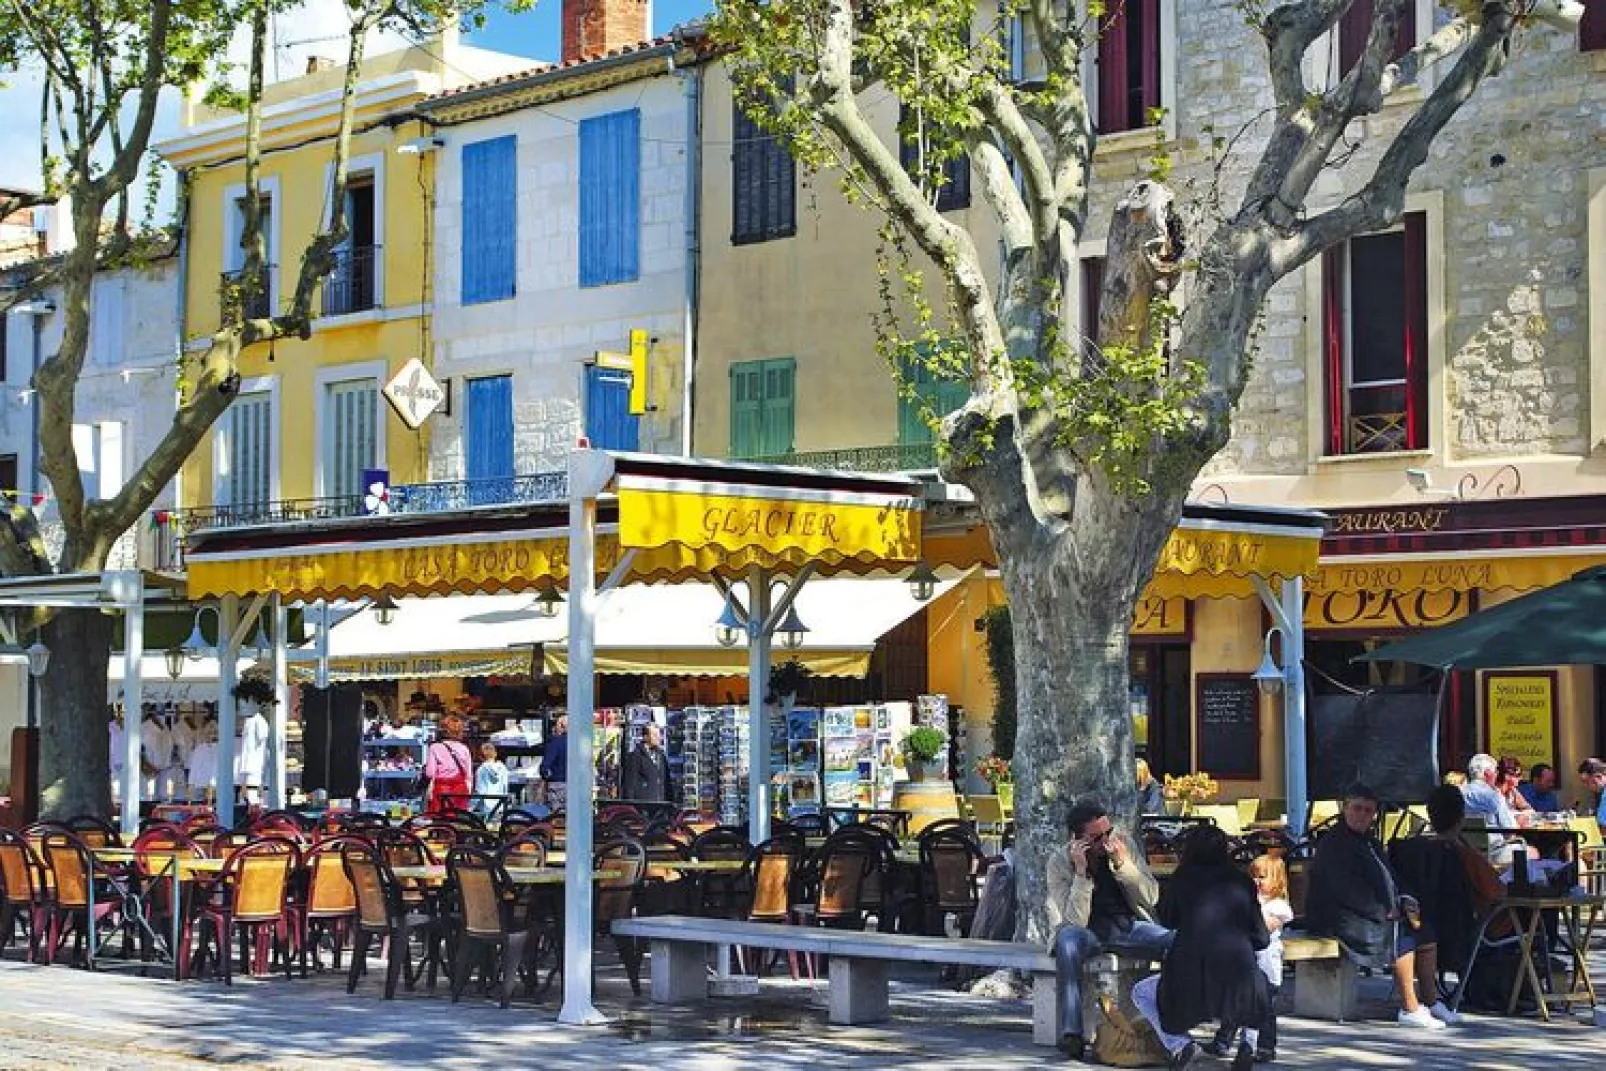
(236, 297)
(442, 497)
(352, 286)
(1377, 421)
(899, 457)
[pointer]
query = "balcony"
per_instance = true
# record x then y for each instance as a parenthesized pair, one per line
(353, 285)
(1376, 420)
(236, 297)
(448, 496)
(900, 457)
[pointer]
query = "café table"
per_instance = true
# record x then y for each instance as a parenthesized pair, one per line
(1579, 915)
(188, 868)
(435, 874)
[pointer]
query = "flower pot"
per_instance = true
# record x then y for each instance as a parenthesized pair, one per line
(1176, 807)
(1006, 795)
(924, 770)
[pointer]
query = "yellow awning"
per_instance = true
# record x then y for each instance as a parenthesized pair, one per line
(1204, 560)
(709, 661)
(684, 529)
(1516, 570)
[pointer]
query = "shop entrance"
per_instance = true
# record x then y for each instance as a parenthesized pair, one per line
(1161, 714)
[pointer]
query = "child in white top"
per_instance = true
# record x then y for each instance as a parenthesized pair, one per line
(1271, 885)
(491, 779)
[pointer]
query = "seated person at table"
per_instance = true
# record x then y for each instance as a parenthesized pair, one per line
(1100, 896)
(1540, 789)
(1507, 782)
(1592, 772)
(1151, 794)
(1354, 896)
(1210, 972)
(1485, 801)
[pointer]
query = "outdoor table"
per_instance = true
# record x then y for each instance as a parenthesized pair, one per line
(708, 865)
(435, 874)
(188, 868)
(1580, 927)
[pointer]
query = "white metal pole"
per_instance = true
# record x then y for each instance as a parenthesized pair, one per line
(279, 795)
(577, 911)
(133, 709)
(1293, 606)
(227, 674)
(758, 678)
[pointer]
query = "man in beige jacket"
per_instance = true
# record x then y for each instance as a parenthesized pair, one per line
(1101, 897)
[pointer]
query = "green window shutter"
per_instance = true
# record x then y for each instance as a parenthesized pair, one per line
(746, 418)
(779, 409)
(938, 396)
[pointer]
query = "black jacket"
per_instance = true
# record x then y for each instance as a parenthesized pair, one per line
(645, 776)
(1351, 896)
(1210, 972)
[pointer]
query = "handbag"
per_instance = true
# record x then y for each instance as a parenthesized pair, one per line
(1121, 1042)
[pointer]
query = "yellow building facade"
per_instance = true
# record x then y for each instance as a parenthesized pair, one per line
(311, 418)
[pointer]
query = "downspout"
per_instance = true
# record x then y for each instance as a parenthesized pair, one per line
(693, 77)
(172, 557)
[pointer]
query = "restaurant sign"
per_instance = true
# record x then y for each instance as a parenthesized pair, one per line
(1519, 716)
(1160, 617)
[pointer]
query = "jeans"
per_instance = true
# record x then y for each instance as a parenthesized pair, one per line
(1072, 947)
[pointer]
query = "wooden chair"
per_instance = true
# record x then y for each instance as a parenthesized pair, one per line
(486, 921)
(253, 902)
(526, 851)
(615, 898)
(988, 814)
(950, 862)
(1591, 854)
(95, 832)
(769, 871)
(79, 891)
(721, 895)
(23, 893)
(1322, 812)
(383, 914)
(328, 903)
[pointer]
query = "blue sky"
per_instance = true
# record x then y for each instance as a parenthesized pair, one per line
(535, 33)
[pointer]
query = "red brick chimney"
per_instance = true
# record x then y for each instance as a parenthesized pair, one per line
(593, 27)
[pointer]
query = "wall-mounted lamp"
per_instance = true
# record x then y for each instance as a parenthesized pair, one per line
(729, 628)
(548, 602)
(1270, 675)
(1422, 483)
(385, 609)
(791, 631)
(195, 648)
(922, 581)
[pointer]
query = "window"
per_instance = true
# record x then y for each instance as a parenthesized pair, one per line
(350, 435)
(245, 478)
(488, 440)
(763, 184)
(1129, 66)
(257, 299)
(954, 193)
(926, 393)
(610, 198)
(99, 449)
(609, 423)
(353, 285)
(1092, 271)
(1356, 26)
(762, 407)
(490, 220)
(106, 323)
(1592, 31)
(1374, 297)
(8, 475)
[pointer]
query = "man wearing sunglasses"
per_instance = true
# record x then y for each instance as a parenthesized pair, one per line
(1101, 897)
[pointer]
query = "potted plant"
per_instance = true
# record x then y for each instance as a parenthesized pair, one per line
(922, 752)
(254, 689)
(786, 681)
(1185, 791)
(995, 770)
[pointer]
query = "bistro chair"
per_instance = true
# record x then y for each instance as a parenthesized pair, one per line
(526, 851)
(252, 902)
(615, 898)
(382, 913)
(950, 862)
(721, 895)
(880, 893)
(327, 904)
(487, 922)
(156, 852)
(23, 893)
(95, 832)
(81, 893)
(770, 871)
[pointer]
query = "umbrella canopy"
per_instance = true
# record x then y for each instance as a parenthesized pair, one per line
(1556, 626)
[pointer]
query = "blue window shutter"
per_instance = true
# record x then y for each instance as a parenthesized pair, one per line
(609, 422)
(490, 219)
(610, 198)
(488, 431)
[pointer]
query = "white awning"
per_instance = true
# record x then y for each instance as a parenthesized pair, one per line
(452, 636)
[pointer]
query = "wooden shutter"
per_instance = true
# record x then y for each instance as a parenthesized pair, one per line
(930, 394)
(1592, 31)
(490, 220)
(351, 413)
(1356, 26)
(249, 481)
(1149, 54)
(1333, 265)
(1416, 331)
(763, 184)
(747, 394)
(488, 453)
(610, 198)
(1092, 294)
(779, 408)
(609, 423)
(1113, 74)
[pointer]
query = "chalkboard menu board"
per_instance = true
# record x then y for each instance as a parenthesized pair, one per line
(1226, 713)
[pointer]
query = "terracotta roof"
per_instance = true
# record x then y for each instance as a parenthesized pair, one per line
(576, 65)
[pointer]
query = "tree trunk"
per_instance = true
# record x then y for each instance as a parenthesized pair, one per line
(74, 757)
(1073, 738)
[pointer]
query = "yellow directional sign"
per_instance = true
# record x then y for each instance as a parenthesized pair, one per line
(634, 362)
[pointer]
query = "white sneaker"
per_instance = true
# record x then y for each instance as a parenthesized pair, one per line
(1444, 1014)
(1421, 1019)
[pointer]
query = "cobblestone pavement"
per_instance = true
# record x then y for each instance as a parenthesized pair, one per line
(57, 1017)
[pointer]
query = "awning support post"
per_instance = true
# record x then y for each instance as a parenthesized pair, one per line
(228, 665)
(1287, 610)
(133, 710)
(758, 681)
(279, 795)
(577, 1008)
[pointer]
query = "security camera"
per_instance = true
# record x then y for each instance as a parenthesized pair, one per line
(1418, 478)
(419, 146)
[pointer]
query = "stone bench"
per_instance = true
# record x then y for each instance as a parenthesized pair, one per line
(858, 962)
(1325, 980)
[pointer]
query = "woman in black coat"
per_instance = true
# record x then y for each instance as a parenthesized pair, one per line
(1210, 972)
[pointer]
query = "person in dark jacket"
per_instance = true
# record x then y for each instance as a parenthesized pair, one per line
(1355, 897)
(1210, 972)
(555, 765)
(645, 774)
